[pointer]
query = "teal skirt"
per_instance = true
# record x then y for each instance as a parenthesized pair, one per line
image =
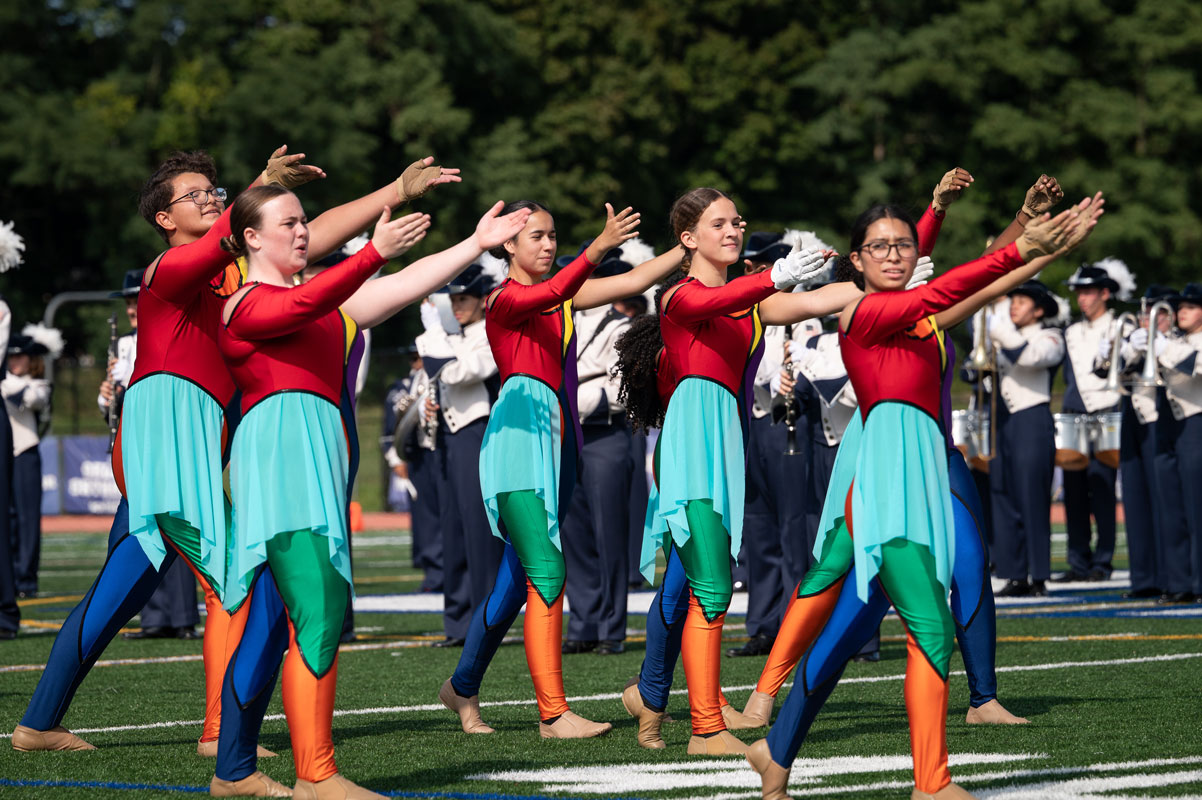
(288, 472)
(898, 459)
(522, 449)
(171, 456)
(699, 456)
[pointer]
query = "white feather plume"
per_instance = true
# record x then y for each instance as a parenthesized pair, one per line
(493, 267)
(636, 251)
(1063, 316)
(1120, 274)
(802, 240)
(50, 338)
(11, 247)
(356, 244)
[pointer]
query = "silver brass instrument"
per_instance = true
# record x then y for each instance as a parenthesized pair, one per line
(1114, 381)
(982, 426)
(791, 410)
(1150, 377)
(113, 413)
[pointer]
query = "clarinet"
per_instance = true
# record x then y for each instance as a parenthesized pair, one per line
(791, 410)
(113, 414)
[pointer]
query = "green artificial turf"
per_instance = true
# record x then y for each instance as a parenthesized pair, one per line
(1081, 716)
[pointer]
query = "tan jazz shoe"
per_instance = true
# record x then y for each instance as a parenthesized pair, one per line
(649, 719)
(209, 750)
(723, 743)
(573, 726)
(736, 720)
(759, 708)
(335, 787)
(775, 777)
(993, 713)
(950, 792)
(635, 682)
(468, 709)
(27, 740)
(254, 785)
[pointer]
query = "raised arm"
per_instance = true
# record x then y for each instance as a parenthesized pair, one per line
(603, 291)
(694, 302)
(266, 312)
(786, 308)
(381, 298)
(185, 269)
(947, 191)
(1043, 195)
(334, 228)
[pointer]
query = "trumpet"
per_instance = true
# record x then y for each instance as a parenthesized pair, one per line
(1114, 381)
(791, 410)
(1150, 377)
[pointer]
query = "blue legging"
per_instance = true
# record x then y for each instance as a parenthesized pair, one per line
(490, 622)
(853, 622)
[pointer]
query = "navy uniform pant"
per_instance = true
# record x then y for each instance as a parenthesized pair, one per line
(1189, 461)
(594, 535)
(10, 615)
(423, 516)
(1020, 481)
(173, 603)
(1141, 510)
(1089, 492)
(471, 554)
(773, 522)
(26, 518)
(1172, 545)
(639, 492)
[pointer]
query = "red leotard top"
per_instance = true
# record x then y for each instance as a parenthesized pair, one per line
(715, 332)
(928, 230)
(295, 339)
(179, 312)
(891, 347)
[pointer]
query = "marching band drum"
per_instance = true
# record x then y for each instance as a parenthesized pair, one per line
(1078, 436)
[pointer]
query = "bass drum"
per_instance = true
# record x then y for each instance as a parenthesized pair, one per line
(1107, 434)
(1072, 441)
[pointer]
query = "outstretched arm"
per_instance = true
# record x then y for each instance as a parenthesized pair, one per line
(381, 298)
(185, 269)
(947, 191)
(786, 308)
(694, 302)
(1043, 194)
(603, 291)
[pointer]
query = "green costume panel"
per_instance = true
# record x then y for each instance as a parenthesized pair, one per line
(706, 558)
(525, 519)
(832, 565)
(907, 573)
(314, 593)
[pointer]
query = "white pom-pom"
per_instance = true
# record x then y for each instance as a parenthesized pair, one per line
(636, 251)
(493, 267)
(50, 338)
(802, 240)
(11, 247)
(1120, 274)
(356, 244)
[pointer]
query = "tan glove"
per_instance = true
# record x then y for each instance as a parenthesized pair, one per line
(287, 170)
(1044, 194)
(1043, 237)
(948, 190)
(416, 180)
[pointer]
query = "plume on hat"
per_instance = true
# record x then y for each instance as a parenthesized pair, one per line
(1120, 274)
(1064, 314)
(635, 251)
(11, 247)
(808, 240)
(356, 244)
(50, 338)
(493, 267)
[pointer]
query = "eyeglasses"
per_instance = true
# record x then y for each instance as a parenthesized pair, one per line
(880, 250)
(201, 196)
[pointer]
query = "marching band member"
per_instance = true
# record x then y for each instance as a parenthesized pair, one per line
(595, 546)
(1021, 475)
(1183, 374)
(10, 613)
(465, 383)
(1091, 491)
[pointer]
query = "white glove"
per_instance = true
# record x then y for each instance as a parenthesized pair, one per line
(796, 267)
(1159, 343)
(1104, 347)
(408, 487)
(923, 270)
(430, 319)
(1138, 339)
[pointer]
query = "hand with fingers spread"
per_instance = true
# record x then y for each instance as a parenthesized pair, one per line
(798, 266)
(1042, 195)
(619, 227)
(421, 176)
(1089, 211)
(493, 229)
(288, 170)
(948, 190)
(923, 270)
(392, 237)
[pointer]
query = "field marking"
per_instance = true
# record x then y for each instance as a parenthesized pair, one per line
(609, 696)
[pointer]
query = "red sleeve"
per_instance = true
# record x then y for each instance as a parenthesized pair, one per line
(515, 301)
(882, 314)
(928, 230)
(267, 314)
(187, 269)
(694, 301)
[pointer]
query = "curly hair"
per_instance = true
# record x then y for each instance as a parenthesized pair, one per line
(638, 361)
(156, 192)
(846, 271)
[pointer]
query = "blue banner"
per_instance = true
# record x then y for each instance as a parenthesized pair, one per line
(81, 480)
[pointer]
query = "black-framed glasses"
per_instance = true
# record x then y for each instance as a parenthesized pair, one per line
(201, 196)
(880, 250)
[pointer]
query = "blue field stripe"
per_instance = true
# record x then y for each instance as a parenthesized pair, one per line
(162, 787)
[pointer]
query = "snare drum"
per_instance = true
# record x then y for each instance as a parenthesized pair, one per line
(1072, 441)
(1107, 433)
